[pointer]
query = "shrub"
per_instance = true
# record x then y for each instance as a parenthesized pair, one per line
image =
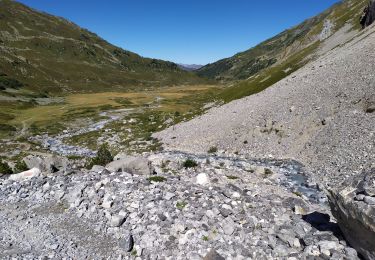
(4, 168)
(181, 205)
(212, 149)
(103, 157)
(21, 166)
(190, 163)
(156, 179)
(268, 171)
(231, 177)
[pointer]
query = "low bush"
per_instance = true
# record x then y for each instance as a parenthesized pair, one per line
(21, 166)
(189, 163)
(156, 179)
(212, 149)
(102, 158)
(4, 168)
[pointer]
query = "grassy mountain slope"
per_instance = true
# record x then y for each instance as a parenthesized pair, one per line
(43, 53)
(284, 47)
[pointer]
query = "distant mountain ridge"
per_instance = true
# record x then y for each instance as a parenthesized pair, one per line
(48, 53)
(189, 67)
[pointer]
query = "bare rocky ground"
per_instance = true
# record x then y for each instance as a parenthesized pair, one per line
(321, 115)
(234, 207)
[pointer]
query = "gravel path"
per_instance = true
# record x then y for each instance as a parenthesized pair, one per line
(320, 115)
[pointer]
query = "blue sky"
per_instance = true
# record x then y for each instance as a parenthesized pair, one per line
(184, 31)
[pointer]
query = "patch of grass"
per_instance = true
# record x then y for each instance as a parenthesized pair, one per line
(156, 179)
(190, 163)
(5, 168)
(74, 157)
(20, 166)
(205, 238)
(297, 193)
(212, 149)
(268, 77)
(267, 171)
(181, 205)
(134, 252)
(231, 177)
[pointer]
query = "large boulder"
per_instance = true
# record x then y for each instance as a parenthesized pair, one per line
(131, 164)
(368, 16)
(353, 205)
(48, 163)
(34, 172)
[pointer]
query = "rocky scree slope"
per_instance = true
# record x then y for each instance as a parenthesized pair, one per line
(224, 208)
(284, 47)
(48, 53)
(322, 115)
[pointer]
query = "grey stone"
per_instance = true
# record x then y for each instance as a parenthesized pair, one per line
(213, 255)
(127, 243)
(356, 219)
(117, 220)
(369, 200)
(131, 164)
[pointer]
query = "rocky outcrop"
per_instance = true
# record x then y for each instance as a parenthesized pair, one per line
(353, 205)
(34, 172)
(47, 163)
(131, 164)
(368, 16)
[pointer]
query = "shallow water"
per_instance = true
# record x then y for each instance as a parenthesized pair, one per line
(291, 174)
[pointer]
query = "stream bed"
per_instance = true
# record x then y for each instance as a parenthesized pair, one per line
(290, 174)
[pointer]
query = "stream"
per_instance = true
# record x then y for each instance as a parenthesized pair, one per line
(291, 174)
(56, 143)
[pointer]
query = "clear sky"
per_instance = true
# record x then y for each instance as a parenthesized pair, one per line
(184, 31)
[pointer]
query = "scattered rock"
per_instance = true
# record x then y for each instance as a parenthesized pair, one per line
(117, 220)
(47, 163)
(131, 164)
(203, 179)
(213, 255)
(127, 243)
(34, 172)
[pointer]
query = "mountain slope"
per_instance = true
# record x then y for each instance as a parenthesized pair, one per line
(322, 115)
(281, 48)
(48, 53)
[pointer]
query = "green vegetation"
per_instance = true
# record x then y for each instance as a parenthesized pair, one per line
(134, 252)
(212, 149)
(267, 172)
(205, 238)
(4, 168)
(181, 205)
(268, 77)
(20, 166)
(190, 163)
(231, 177)
(103, 157)
(156, 179)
